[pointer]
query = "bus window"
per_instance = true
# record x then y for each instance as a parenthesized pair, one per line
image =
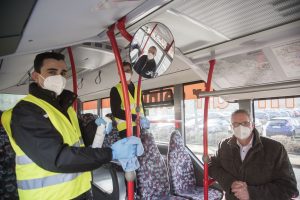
(162, 123)
(219, 114)
(159, 109)
(281, 122)
(105, 106)
(8, 101)
(90, 107)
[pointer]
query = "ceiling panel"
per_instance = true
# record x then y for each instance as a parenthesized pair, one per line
(13, 18)
(56, 23)
(239, 18)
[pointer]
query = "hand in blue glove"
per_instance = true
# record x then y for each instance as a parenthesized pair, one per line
(145, 123)
(106, 122)
(130, 165)
(127, 148)
(99, 121)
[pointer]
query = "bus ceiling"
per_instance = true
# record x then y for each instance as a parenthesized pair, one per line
(256, 42)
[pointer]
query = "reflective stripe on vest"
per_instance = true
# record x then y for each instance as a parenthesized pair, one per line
(121, 124)
(46, 181)
(23, 160)
(34, 182)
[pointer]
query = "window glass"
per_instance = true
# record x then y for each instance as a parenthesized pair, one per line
(159, 106)
(162, 123)
(8, 101)
(219, 114)
(280, 119)
(105, 106)
(90, 107)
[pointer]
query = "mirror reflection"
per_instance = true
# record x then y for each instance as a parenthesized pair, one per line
(152, 50)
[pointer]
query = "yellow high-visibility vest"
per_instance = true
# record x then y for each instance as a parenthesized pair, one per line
(36, 183)
(121, 124)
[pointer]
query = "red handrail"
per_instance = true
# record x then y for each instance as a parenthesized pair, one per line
(74, 75)
(111, 36)
(122, 29)
(206, 181)
(125, 34)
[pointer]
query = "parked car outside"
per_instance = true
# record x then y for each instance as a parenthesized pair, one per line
(281, 126)
(262, 116)
(272, 113)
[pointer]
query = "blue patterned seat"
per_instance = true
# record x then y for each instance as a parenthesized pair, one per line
(181, 172)
(152, 176)
(8, 183)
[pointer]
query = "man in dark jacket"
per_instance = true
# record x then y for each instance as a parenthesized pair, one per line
(248, 166)
(38, 133)
(146, 65)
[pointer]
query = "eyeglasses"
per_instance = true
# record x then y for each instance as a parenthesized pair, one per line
(236, 124)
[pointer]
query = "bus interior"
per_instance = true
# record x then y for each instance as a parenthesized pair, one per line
(256, 46)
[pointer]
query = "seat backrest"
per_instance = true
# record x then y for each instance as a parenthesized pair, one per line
(152, 176)
(180, 166)
(8, 183)
(87, 122)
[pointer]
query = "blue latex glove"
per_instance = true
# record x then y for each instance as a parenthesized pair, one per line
(99, 121)
(129, 165)
(107, 123)
(108, 127)
(127, 148)
(144, 123)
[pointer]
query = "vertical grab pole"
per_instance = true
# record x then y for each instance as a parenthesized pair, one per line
(138, 109)
(125, 34)
(205, 144)
(111, 36)
(74, 75)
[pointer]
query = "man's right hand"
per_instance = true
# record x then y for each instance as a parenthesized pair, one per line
(240, 190)
(144, 123)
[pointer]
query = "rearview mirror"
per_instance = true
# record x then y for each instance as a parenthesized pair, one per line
(152, 50)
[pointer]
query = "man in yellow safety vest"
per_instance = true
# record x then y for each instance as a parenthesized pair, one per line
(51, 160)
(117, 102)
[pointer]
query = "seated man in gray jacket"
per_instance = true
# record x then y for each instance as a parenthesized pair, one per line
(248, 166)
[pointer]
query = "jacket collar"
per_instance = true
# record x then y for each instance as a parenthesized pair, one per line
(256, 142)
(64, 100)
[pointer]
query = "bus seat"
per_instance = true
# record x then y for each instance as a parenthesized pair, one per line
(88, 128)
(181, 172)
(152, 177)
(8, 183)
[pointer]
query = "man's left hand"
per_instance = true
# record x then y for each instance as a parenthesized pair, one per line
(240, 190)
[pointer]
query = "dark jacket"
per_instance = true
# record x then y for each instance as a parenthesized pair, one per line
(145, 67)
(266, 169)
(41, 142)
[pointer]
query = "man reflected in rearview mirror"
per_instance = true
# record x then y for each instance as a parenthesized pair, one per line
(146, 65)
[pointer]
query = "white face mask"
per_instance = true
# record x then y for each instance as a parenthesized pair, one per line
(128, 76)
(242, 132)
(150, 56)
(55, 83)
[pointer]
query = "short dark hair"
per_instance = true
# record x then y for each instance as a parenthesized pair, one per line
(125, 63)
(39, 59)
(241, 111)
